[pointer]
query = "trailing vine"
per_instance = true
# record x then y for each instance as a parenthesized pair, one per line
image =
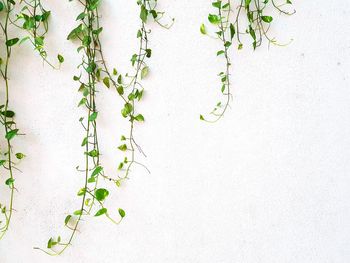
(91, 197)
(94, 71)
(228, 20)
(132, 91)
(33, 19)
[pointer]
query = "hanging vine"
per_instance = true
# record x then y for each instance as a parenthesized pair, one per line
(33, 19)
(132, 90)
(91, 197)
(94, 71)
(228, 20)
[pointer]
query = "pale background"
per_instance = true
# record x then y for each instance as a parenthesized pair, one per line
(268, 184)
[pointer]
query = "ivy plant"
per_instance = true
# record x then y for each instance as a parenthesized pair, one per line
(232, 22)
(30, 23)
(94, 72)
(92, 197)
(130, 88)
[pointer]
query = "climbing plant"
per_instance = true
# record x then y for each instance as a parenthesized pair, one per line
(21, 21)
(232, 22)
(94, 71)
(131, 91)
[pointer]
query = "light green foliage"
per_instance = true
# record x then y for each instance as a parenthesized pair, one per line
(229, 18)
(16, 18)
(94, 75)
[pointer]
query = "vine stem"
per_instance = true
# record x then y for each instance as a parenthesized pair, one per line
(8, 54)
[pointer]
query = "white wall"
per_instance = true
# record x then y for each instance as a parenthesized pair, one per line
(268, 184)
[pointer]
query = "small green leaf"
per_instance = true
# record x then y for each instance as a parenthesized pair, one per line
(81, 192)
(66, 220)
(127, 110)
(10, 182)
(20, 156)
(217, 4)
(203, 29)
(101, 194)
(267, 19)
(214, 19)
(78, 212)
(12, 42)
(96, 171)
(93, 153)
(139, 117)
(232, 31)
(49, 243)
(106, 82)
(100, 212)
(11, 134)
(121, 212)
(144, 72)
(93, 116)
(60, 58)
(123, 147)
(143, 14)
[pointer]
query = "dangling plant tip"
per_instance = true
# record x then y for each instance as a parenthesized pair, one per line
(231, 23)
(131, 90)
(92, 197)
(32, 18)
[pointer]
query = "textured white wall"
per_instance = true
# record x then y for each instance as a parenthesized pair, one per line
(268, 184)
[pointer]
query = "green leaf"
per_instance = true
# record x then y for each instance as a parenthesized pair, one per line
(123, 147)
(39, 41)
(78, 212)
(8, 113)
(11, 134)
(143, 14)
(144, 72)
(120, 90)
(100, 212)
(81, 16)
(49, 243)
(217, 4)
(232, 31)
(106, 82)
(127, 110)
(75, 32)
(81, 192)
(148, 52)
(267, 19)
(96, 171)
(121, 212)
(214, 19)
(20, 156)
(23, 40)
(66, 220)
(139, 117)
(12, 42)
(93, 153)
(93, 4)
(101, 194)
(227, 44)
(203, 29)
(97, 31)
(10, 182)
(93, 116)
(60, 58)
